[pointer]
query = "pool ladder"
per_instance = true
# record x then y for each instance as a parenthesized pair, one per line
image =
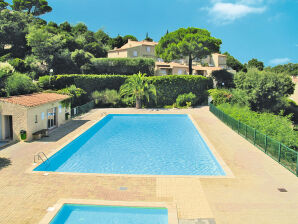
(39, 156)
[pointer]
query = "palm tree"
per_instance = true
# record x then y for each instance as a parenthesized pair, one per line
(137, 87)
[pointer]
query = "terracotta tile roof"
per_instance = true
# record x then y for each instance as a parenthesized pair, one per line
(200, 68)
(170, 65)
(35, 99)
(220, 54)
(132, 44)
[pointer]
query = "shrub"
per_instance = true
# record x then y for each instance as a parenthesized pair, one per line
(108, 97)
(5, 68)
(18, 84)
(18, 64)
(78, 96)
(220, 96)
(186, 99)
(278, 127)
(265, 90)
(125, 66)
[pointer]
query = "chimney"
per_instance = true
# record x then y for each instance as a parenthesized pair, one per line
(115, 48)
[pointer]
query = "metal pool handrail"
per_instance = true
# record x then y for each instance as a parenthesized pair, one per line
(39, 157)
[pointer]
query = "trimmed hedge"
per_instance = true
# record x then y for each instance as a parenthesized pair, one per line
(168, 87)
(171, 86)
(125, 66)
(89, 83)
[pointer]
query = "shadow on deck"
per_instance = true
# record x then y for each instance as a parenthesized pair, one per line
(63, 130)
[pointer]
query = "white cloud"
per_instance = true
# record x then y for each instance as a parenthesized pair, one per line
(277, 61)
(224, 13)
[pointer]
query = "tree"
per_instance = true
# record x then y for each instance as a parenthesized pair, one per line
(18, 84)
(148, 38)
(3, 4)
(290, 68)
(102, 37)
(13, 29)
(193, 43)
(65, 27)
(223, 78)
(116, 42)
(97, 49)
(137, 87)
(254, 63)
(81, 57)
(233, 62)
(265, 91)
(34, 7)
(79, 28)
(44, 45)
(129, 37)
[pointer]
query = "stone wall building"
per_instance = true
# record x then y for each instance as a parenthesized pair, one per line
(31, 113)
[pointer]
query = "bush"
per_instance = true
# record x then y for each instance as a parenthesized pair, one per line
(265, 90)
(125, 66)
(108, 97)
(18, 64)
(220, 96)
(186, 99)
(78, 96)
(278, 127)
(18, 84)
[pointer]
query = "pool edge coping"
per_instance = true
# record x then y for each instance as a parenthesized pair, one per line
(171, 207)
(224, 166)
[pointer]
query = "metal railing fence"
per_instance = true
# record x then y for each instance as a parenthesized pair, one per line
(76, 111)
(284, 155)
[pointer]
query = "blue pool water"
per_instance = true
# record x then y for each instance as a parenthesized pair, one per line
(96, 214)
(137, 144)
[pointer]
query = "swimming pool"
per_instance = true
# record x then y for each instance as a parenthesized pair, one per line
(149, 144)
(97, 214)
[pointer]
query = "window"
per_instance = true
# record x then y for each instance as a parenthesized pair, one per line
(135, 53)
(36, 121)
(60, 109)
(42, 116)
(148, 49)
(180, 72)
(163, 71)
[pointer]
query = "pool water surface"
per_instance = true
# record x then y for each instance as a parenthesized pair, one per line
(141, 144)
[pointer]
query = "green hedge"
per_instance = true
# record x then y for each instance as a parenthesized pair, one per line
(171, 86)
(278, 127)
(125, 66)
(89, 83)
(168, 87)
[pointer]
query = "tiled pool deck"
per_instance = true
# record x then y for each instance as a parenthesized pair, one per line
(251, 196)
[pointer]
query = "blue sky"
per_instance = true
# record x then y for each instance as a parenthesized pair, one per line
(262, 29)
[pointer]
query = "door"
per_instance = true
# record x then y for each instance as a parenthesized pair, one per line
(52, 118)
(8, 127)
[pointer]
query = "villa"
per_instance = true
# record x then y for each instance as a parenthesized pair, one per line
(31, 113)
(134, 49)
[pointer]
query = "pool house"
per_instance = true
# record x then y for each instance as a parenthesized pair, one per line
(31, 114)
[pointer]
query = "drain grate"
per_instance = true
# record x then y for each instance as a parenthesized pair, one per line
(123, 188)
(282, 190)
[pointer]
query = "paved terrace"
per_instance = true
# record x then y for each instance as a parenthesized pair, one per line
(250, 197)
